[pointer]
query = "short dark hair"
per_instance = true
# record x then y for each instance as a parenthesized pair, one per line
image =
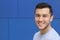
(44, 5)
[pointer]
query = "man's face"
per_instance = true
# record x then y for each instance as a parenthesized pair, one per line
(43, 18)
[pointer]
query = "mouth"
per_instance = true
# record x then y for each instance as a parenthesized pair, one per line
(41, 24)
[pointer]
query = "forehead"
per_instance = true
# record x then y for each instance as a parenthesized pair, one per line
(42, 11)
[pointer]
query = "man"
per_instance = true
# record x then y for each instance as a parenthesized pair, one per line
(43, 18)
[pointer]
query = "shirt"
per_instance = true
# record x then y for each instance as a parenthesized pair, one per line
(50, 35)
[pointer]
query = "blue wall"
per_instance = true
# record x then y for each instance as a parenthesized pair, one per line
(17, 18)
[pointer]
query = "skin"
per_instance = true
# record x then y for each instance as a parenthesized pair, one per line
(43, 19)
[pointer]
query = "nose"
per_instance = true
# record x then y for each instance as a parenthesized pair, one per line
(41, 19)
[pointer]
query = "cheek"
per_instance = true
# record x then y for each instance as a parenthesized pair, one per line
(36, 19)
(47, 20)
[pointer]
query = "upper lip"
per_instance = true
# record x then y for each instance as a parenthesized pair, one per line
(40, 22)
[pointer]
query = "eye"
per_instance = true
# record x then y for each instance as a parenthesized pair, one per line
(37, 15)
(44, 15)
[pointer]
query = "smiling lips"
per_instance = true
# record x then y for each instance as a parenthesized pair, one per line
(41, 24)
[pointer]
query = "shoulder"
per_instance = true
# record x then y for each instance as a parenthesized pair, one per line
(52, 34)
(36, 35)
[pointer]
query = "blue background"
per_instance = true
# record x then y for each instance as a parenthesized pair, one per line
(17, 18)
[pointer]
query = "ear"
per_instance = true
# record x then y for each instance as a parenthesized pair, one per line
(51, 18)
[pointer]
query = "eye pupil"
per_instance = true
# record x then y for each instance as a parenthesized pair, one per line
(37, 15)
(44, 15)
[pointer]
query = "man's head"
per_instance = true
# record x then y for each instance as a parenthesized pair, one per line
(43, 15)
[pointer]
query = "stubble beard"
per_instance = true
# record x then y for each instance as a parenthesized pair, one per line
(45, 27)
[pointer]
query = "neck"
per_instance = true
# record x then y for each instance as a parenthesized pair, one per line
(45, 30)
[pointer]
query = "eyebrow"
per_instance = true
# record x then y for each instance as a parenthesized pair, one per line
(39, 14)
(43, 14)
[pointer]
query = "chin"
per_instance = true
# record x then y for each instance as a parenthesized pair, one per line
(41, 28)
